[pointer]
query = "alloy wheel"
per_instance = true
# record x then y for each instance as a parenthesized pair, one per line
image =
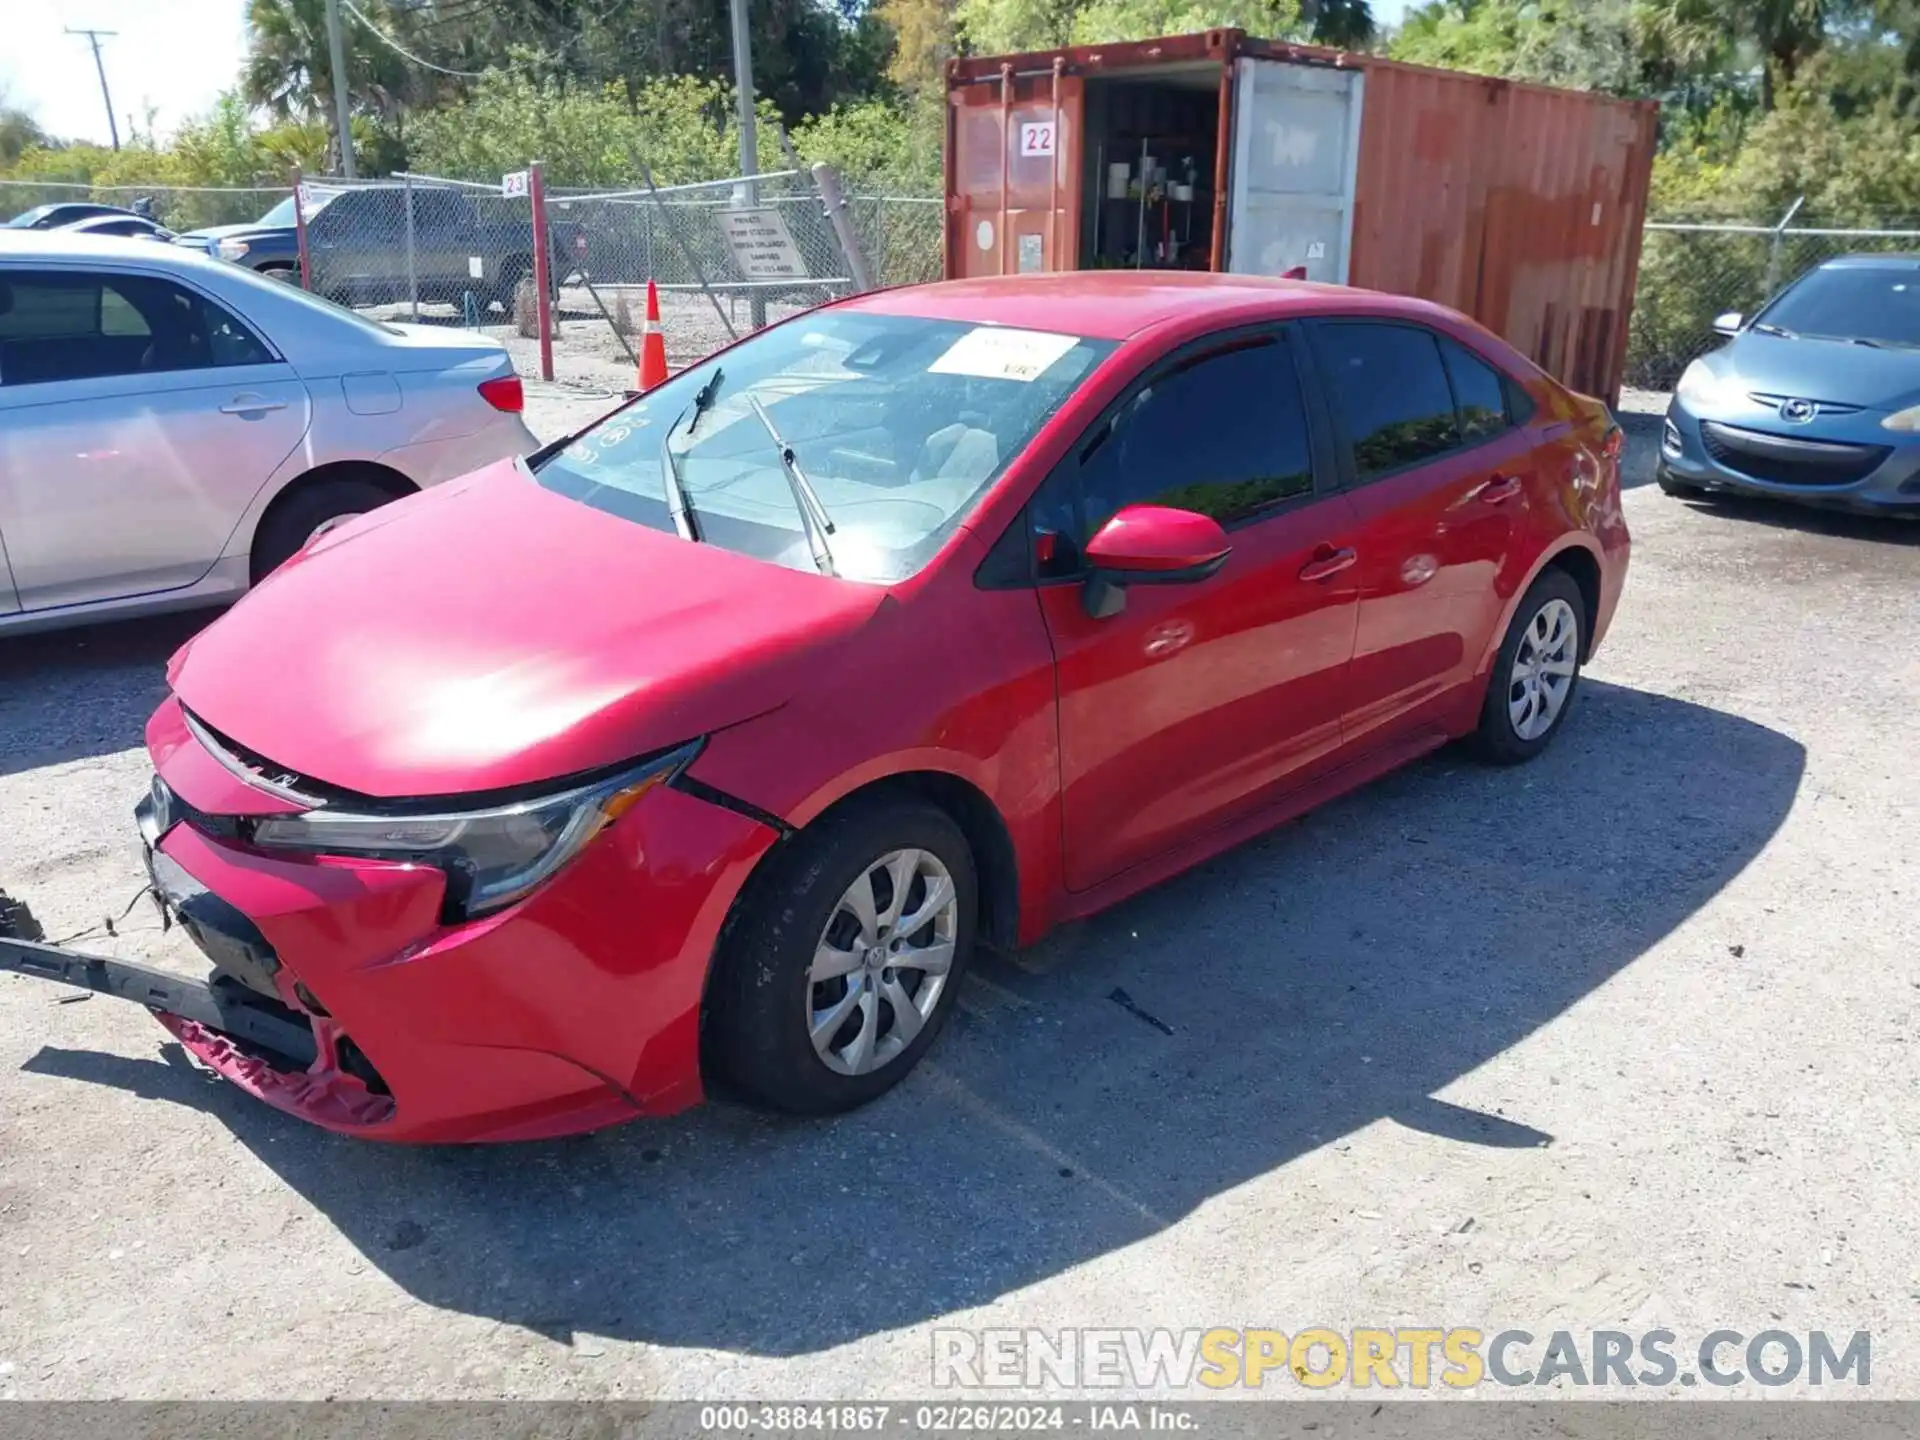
(882, 961)
(1543, 669)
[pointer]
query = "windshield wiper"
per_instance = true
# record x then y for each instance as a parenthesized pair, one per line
(813, 515)
(678, 505)
(1767, 328)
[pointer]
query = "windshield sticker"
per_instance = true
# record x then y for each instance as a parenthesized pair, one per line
(992, 353)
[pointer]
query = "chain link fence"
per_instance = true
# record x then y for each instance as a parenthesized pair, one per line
(179, 208)
(903, 236)
(731, 254)
(415, 247)
(1692, 272)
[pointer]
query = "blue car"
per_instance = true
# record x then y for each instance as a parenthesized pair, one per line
(1816, 399)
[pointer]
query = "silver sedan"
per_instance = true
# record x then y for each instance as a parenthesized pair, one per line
(173, 427)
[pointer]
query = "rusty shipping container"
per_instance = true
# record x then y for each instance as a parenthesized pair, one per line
(1518, 204)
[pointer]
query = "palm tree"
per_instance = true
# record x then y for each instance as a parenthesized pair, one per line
(289, 74)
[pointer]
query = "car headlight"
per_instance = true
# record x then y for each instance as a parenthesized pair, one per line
(491, 856)
(1702, 385)
(232, 249)
(1905, 421)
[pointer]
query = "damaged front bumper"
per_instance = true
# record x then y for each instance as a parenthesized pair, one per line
(341, 994)
(249, 1021)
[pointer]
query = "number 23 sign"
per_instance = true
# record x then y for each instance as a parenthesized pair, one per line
(1036, 138)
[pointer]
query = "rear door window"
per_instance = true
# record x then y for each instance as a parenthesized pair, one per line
(84, 325)
(1389, 391)
(1479, 393)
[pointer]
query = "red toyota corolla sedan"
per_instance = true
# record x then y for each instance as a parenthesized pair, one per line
(710, 742)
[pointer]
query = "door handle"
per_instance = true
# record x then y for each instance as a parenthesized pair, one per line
(1498, 490)
(1327, 562)
(250, 405)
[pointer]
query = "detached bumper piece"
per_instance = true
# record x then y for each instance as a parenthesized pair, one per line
(251, 1022)
(218, 1006)
(298, 1063)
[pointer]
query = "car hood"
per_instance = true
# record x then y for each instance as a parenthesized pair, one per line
(1833, 370)
(224, 232)
(488, 634)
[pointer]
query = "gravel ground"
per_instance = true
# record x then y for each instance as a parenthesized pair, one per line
(1619, 1039)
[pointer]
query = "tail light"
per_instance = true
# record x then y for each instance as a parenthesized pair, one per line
(503, 392)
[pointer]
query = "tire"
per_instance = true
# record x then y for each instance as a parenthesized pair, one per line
(290, 524)
(1552, 607)
(1677, 488)
(764, 1002)
(285, 274)
(512, 270)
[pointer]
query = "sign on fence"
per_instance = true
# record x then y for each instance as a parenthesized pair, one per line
(762, 245)
(515, 184)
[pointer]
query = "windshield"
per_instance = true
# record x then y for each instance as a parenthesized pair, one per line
(1877, 303)
(899, 424)
(292, 293)
(281, 215)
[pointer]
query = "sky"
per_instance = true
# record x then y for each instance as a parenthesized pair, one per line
(173, 55)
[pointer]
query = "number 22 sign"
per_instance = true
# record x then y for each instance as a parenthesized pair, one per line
(1036, 138)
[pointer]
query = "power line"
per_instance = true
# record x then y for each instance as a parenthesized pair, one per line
(402, 51)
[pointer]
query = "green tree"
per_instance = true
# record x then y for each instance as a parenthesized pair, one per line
(288, 70)
(19, 132)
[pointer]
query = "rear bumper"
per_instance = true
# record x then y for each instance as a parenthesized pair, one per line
(1890, 487)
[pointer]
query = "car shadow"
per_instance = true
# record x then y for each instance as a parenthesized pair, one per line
(73, 694)
(1786, 515)
(1098, 1088)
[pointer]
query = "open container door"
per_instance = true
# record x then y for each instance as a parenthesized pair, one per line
(1296, 150)
(1013, 202)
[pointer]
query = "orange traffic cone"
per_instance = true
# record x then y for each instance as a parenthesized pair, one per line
(653, 344)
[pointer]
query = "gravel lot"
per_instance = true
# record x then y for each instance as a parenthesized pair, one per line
(1642, 1013)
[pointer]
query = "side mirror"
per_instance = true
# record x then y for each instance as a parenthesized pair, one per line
(1150, 545)
(1728, 324)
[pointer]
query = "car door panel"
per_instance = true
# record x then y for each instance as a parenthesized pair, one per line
(1439, 487)
(9, 601)
(132, 484)
(1197, 702)
(124, 484)
(1435, 548)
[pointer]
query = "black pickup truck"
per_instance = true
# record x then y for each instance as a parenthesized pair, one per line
(357, 245)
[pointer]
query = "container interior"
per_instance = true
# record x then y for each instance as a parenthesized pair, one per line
(1149, 165)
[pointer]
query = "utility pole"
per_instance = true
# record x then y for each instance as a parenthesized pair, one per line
(93, 39)
(743, 89)
(336, 54)
(747, 192)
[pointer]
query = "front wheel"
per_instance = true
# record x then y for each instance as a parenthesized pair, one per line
(1536, 672)
(844, 962)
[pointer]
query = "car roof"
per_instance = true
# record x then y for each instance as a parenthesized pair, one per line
(1117, 304)
(80, 245)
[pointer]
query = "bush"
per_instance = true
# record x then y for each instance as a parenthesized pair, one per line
(680, 126)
